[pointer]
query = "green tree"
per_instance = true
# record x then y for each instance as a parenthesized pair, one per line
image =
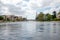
(40, 17)
(1, 18)
(54, 14)
(24, 19)
(8, 19)
(48, 17)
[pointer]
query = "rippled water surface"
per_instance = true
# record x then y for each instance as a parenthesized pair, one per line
(30, 30)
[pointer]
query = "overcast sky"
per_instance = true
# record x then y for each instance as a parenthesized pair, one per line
(28, 8)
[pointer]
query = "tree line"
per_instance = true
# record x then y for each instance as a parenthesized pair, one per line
(48, 17)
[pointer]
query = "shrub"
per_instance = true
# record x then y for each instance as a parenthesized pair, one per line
(1, 18)
(56, 19)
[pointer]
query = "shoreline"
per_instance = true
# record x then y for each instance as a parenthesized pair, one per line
(27, 21)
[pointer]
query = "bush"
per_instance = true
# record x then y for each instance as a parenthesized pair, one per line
(56, 19)
(1, 18)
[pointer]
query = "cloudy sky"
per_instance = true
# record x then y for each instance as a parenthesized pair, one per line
(28, 8)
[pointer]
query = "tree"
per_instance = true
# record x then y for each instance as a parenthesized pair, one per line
(48, 17)
(1, 18)
(8, 19)
(24, 19)
(40, 17)
(54, 14)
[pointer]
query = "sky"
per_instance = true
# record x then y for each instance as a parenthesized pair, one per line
(28, 8)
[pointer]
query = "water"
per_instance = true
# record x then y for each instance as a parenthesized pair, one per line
(30, 30)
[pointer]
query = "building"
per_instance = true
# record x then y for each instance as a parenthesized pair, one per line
(58, 16)
(12, 18)
(20, 18)
(8, 17)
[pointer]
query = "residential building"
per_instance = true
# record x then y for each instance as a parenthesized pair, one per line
(58, 16)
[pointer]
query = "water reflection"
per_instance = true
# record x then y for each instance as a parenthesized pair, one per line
(30, 31)
(40, 27)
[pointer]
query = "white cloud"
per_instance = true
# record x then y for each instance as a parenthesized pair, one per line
(29, 7)
(30, 14)
(6, 11)
(11, 1)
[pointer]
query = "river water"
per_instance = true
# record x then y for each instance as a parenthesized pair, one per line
(30, 30)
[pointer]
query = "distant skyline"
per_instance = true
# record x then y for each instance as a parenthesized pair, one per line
(28, 8)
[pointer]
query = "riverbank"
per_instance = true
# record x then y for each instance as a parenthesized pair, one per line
(26, 21)
(11, 21)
